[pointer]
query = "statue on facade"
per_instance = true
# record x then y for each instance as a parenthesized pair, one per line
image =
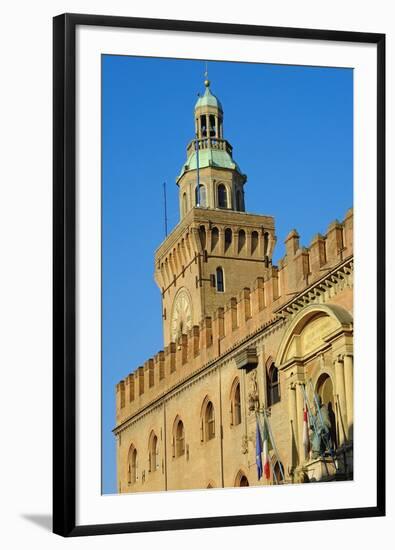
(320, 429)
(253, 395)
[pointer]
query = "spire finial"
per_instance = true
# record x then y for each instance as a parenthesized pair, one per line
(206, 81)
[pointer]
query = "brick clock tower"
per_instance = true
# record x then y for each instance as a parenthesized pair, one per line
(217, 247)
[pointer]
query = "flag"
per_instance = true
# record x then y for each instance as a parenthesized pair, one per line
(266, 462)
(306, 439)
(258, 447)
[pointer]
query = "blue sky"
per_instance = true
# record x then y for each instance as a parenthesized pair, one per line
(291, 131)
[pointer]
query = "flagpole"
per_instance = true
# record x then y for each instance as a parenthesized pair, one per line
(273, 444)
(197, 170)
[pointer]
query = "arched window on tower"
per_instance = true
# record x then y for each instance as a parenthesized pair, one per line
(239, 201)
(203, 125)
(254, 241)
(273, 386)
(212, 126)
(132, 465)
(222, 196)
(153, 452)
(242, 239)
(214, 237)
(202, 235)
(184, 204)
(220, 279)
(228, 238)
(202, 199)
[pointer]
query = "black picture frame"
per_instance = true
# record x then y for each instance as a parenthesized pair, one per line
(64, 273)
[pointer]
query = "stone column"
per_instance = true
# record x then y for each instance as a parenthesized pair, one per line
(341, 400)
(299, 420)
(293, 428)
(349, 388)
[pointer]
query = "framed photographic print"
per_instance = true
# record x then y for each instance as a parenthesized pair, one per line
(218, 274)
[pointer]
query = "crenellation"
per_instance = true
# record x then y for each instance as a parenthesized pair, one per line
(296, 270)
(230, 317)
(317, 254)
(206, 333)
(159, 362)
(170, 358)
(334, 242)
(193, 342)
(181, 351)
(292, 243)
(257, 296)
(244, 306)
(130, 384)
(348, 232)
(218, 324)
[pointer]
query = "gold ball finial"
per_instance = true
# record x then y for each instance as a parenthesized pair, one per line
(207, 83)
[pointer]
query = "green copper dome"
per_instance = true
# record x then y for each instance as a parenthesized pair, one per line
(208, 99)
(210, 157)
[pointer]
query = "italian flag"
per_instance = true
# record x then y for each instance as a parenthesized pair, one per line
(266, 463)
(306, 440)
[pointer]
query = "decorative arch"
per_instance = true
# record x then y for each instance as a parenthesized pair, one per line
(340, 317)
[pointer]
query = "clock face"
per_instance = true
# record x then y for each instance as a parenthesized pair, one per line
(181, 320)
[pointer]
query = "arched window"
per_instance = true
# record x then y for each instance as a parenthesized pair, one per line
(214, 237)
(180, 439)
(228, 238)
(222, 196)
(210, 421)
(265, 244)
(203, 125)
(207, 429)
(273, 386)
(153, 452)
(220, 279)
(324, 389)
(200, 200)
(184, 204)
(235, 404)
(241, 480)
(242, 239)
(239, 201)
(202, 235)
(254, 241)
(132, 465)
